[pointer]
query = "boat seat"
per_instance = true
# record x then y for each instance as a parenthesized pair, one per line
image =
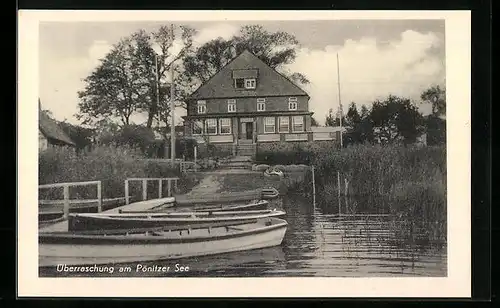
(234, 228)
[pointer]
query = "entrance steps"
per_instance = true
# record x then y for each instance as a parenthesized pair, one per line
(237, 162)
(246, 149)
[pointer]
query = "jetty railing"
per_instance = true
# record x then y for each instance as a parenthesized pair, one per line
(67, 201)
(145, 187)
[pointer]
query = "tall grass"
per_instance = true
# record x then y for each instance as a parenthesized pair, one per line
(408, 183)
(111, 165)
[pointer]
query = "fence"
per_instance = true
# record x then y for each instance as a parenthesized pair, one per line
(67, 201)
(145, 186)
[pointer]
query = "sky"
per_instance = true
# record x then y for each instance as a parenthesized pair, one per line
(376, 58)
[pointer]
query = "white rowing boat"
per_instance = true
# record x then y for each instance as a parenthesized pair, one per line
(85, 250)
(252, 206)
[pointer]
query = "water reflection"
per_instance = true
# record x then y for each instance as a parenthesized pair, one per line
(323, 245)
(316, 244)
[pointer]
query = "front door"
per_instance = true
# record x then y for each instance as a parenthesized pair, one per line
(249, 130)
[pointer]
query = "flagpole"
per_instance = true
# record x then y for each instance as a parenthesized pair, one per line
(157, 81)
(340, 102)
(172, 108)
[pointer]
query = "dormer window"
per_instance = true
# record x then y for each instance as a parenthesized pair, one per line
(239, 83)
(245, 78)
(250, 83)
(202, 107)
(292, 103)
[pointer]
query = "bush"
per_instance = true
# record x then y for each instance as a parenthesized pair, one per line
(184, 147)
(133, 136)
(289, 153)
(215, 151)
(111, 165)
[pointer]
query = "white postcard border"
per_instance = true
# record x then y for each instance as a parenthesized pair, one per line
(456, 284)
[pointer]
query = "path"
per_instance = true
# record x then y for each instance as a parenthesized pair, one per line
(208, 185)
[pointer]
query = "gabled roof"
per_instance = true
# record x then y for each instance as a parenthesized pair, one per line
(269, 82)
(50, 129)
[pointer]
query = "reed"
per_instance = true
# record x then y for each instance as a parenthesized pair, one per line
(408, 183)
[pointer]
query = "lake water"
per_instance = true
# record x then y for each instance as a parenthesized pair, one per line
(316, 244)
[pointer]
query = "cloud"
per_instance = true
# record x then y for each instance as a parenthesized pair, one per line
(224, 31)
(98, 50)
(369, 70)
(62, 77)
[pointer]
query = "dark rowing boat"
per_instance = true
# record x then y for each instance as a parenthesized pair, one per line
(104, 221)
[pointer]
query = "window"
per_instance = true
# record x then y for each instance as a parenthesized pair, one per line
(250, 83)
(269, 125)
(261, 100)
(298, 123)
(231, 105)
(211, 126)
(198, 128)
(202, 106)
(292, 103)
(239, 83)
(284, 125)
(261, 105)
(225, 126)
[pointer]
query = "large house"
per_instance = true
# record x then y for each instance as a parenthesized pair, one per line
(247, 102)
(50, 133)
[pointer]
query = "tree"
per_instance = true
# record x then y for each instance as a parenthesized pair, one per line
(365, 126)
(125, 80)
(314, 122)
(208, 60)
(108, 91)
(334, 120)
(435, 123)
(353, 120)
(145, 54)
(396, 119)
(330, 118)
(359, 125)
(82, 136)
(352, 116)
(276, 49)
(436, 97)
(436, 130)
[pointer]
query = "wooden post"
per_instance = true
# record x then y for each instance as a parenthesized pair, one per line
(169, 182)
(175, 185)
(160, 182)
(314, 187)
(126, 192)
(338, 190)
(99, 197)
(144, 189)
(345, 192)
(195, 153)
(66, 202)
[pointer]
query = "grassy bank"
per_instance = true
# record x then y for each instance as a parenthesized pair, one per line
(409, 183)
(111, 165)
